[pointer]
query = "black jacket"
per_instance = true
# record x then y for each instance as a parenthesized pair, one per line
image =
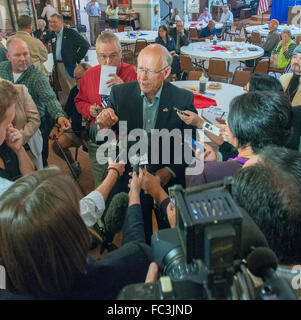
(74, 48)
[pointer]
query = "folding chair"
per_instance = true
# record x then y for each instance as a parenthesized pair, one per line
(218, 69)
(241, 78)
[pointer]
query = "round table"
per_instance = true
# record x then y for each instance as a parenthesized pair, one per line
(198, 24)
(263, 30)
(236, 51)
(148, 35)
(222, 97)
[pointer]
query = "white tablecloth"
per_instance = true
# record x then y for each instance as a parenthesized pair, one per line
(199, 25)
(148, 35)
(222, 97)
(263, 29)
(238, 51)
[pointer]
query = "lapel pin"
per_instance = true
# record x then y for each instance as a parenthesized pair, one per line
(165, 110)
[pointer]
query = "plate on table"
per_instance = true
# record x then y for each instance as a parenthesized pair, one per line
(192, 89)
(214, 86)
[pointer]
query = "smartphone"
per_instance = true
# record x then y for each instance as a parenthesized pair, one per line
(194, 144)
(211, 128)
(180, 111)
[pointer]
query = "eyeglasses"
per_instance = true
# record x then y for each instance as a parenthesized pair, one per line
(150, 73)
(112, 56)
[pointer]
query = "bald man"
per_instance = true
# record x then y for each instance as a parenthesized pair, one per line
(148, 103)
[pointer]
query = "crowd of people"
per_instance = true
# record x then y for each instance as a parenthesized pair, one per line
(46, 228)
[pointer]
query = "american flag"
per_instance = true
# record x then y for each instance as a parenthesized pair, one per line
(263, 7)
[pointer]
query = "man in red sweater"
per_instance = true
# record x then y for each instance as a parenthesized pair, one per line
(88, 100)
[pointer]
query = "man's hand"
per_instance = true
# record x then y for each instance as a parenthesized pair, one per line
(95, 110)
(164, 175)
(115, 80)
(106, 119)
(152, 273)
(120, 167)
(135, 184)
(191, 119)
(151, 183)
(64, 123)
(14, 139)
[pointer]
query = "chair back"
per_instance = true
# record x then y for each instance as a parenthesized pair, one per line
(217, 67)
(239, 26)
(241, 78)
(186, 63)
(255, 38)
(140, 44)
(222, 34)
(262, 66)
(194, 75)
(193, 33)
(298, 39)
(239, 40)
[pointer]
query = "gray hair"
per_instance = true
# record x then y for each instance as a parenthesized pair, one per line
(287, 31)
(59, 16)
(107, 37)
(42, 21)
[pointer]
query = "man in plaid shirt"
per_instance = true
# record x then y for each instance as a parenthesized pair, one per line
(19, 70)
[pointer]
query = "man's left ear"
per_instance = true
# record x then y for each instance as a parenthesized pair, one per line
(166, 72)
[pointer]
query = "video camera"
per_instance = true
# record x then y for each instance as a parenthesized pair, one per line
(198, 255)
(200, 258)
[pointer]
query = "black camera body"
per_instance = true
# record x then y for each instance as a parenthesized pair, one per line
(197, 258)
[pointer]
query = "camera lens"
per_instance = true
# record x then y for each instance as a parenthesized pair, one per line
(176, 267)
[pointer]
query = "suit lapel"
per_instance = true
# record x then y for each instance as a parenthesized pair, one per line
(165, 108)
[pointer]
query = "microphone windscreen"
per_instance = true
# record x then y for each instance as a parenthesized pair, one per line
(251, 235)
(261, 260)
(114, 217)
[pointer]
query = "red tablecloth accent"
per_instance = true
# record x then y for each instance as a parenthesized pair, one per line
(218, 49)
(201, 102)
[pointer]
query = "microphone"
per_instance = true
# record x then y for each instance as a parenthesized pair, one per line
(113, 219)
(263, 262)
(251, 235)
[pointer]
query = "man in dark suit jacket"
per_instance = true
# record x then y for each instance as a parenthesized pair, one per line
(180, 35)
(149, 104)
(68, 48)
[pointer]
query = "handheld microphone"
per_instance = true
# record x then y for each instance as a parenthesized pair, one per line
(113, 218)
(251, 235)
(262, 262)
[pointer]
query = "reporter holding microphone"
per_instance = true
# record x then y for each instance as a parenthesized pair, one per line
(52, 242)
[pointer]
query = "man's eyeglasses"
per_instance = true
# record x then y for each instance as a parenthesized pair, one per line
(104, 57)
(150, 73)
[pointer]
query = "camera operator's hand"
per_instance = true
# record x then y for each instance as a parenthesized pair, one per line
(152, 273)
(135, 184)
(120, 166)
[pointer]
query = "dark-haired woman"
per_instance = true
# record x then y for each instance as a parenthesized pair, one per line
(256, 119)
(112, 13)
(168, 42)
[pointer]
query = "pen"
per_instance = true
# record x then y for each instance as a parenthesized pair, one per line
(222, 115)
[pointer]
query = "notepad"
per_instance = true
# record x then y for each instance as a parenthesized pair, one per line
(104, 77)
